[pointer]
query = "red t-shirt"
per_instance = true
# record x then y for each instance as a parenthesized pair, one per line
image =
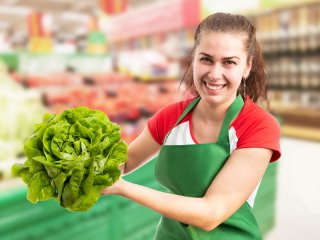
(253, 128)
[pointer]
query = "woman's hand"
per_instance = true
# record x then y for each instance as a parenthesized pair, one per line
(115, 188)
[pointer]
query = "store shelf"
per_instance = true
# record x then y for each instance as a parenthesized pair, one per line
(298, 122)
(295, 115)
(302, 132)
(290, 41)
(298, 111)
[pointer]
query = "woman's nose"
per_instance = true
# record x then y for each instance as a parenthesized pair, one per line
(215, 71)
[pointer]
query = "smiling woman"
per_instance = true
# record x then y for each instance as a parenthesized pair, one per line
(219, 65)
(240, 31)
(215, 147)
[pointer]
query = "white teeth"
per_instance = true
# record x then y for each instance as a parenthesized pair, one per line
(214, 87)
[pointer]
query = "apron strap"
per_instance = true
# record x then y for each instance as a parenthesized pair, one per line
(233, 110)
(187, 110)
(184, 113)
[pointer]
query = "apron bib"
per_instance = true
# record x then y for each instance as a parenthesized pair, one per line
(188, 170)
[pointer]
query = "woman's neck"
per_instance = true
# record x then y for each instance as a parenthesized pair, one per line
(211, 113)
(207, 122)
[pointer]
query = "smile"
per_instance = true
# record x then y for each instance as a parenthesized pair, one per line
(214, 87)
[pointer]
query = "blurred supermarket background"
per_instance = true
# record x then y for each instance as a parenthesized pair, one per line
(126, 58)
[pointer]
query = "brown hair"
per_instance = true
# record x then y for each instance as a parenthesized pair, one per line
(256, 82)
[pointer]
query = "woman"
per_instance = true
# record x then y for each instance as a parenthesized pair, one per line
(214, 148)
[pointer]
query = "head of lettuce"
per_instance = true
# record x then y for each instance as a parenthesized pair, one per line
(71, 157)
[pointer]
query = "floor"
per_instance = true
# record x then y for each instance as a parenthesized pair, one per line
(298, 193)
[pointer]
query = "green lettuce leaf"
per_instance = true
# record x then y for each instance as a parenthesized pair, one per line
(71, 157)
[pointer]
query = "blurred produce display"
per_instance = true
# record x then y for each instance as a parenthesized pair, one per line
(125, 100)
(20, 109)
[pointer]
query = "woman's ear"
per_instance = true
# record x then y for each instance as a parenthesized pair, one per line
(247, 70)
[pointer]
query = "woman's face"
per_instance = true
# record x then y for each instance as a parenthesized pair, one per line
(220, 62)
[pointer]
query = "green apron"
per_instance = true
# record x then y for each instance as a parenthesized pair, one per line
(188, 170)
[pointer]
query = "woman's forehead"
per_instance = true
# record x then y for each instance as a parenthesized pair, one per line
(230, 35)
(229, 43)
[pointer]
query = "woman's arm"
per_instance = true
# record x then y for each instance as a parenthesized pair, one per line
(227, 193)
(140, 150)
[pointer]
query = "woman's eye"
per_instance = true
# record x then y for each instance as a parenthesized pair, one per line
(205, 59)
(230, 62)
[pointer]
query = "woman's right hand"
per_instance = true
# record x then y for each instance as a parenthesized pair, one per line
(114, 188)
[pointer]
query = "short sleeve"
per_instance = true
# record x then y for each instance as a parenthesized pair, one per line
(259, 129)
(164, 120)
(153, 127)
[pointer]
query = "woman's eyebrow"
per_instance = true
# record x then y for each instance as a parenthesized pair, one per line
(206, 54)
(225, 58)
(229, 58)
